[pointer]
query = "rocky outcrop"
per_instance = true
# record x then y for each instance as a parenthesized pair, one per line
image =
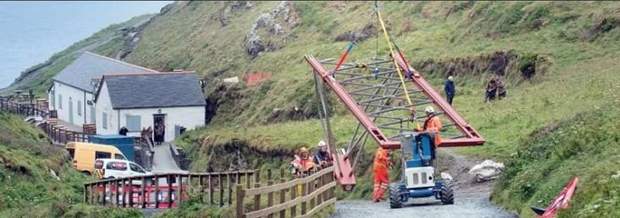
(503, 63)
(270, 30)
(229, 10)
(600, 27)
(131, 36)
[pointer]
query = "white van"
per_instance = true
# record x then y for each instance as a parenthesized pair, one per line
(114, 168)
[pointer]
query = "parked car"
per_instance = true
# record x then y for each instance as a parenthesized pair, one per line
(114, 168)
(84, 155)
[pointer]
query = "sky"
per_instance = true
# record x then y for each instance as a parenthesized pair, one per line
(31, 32)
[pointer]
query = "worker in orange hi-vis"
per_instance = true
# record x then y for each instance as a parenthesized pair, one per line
(432, 124)
(381, 170)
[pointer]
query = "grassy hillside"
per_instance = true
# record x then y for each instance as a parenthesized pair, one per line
(585, 145)
(573, 47)
(37, 179)
(576, 76)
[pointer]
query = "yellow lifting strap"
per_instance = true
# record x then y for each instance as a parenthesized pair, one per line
(400, 74)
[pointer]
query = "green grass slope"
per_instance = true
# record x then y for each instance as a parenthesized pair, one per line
(579, 77)
(37, 178)
(586, 145)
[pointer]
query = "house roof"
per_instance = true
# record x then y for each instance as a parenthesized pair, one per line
(173, 89)
(89, 66)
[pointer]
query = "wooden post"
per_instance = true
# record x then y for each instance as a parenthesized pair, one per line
(130, 195)
(240, 196)
(230, 188)
(156, 191)
(115, 193)
(282, 193)
(270, 194)
(238, 178)
(210, 189)
(202, 188)
(179, 189)
(143, 192)
(221, 186)
(104, 194)
(311, 188)
(304, 192)
(86, 192)
(293, 196)
(321, 182)
(124, 187)
(91, 200)
(247, 179)
(257, 185)
(169, 181)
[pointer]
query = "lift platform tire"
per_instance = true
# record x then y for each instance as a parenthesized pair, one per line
(395, 196)
(446, 193)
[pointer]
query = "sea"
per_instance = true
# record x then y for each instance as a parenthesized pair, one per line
(31, 32)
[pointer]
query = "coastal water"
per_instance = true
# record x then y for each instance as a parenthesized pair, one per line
(31, 32)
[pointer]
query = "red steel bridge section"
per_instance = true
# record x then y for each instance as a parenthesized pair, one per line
(375, 94)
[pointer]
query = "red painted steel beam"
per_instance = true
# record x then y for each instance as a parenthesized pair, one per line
(472, 137)
(351, 105)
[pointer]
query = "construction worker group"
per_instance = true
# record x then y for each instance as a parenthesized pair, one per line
(304, 164)
(382, 163)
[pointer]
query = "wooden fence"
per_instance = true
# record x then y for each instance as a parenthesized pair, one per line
(57, 133)
(23, 108)
(281, 197)
(166, 190)
(60, 135)
(306, 195)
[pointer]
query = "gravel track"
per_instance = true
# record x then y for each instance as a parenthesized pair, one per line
(471, 198)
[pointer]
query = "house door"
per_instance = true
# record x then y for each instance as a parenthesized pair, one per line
(159, 128)
(70, 110)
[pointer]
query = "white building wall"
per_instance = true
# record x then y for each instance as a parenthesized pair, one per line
(104, 105)
(188, 117)
(68, 94)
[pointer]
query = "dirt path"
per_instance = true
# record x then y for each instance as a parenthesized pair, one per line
(471, 199)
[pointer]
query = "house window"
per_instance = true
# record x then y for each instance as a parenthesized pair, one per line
(104, 120)
(79, 107)
(59, 101)
(133, 123)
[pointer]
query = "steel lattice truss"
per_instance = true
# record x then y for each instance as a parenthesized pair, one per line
(374, 93)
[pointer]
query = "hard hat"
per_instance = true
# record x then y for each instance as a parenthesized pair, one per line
(303, 150)
(429, 109)
(450, 78)
(322, 143)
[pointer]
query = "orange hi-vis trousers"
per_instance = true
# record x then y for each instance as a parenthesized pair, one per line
(381, 174)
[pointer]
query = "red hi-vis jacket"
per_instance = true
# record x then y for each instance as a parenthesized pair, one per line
(433, 124)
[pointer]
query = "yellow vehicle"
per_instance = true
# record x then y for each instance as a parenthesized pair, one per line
(84, 155)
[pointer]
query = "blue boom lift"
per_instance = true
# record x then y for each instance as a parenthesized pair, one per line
(418, 174)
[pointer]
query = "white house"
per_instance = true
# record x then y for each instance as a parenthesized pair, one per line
(138, 101)
(71, 93)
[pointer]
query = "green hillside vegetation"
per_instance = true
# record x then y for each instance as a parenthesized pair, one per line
(573, 47)
(586, 146)
(37, 179)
